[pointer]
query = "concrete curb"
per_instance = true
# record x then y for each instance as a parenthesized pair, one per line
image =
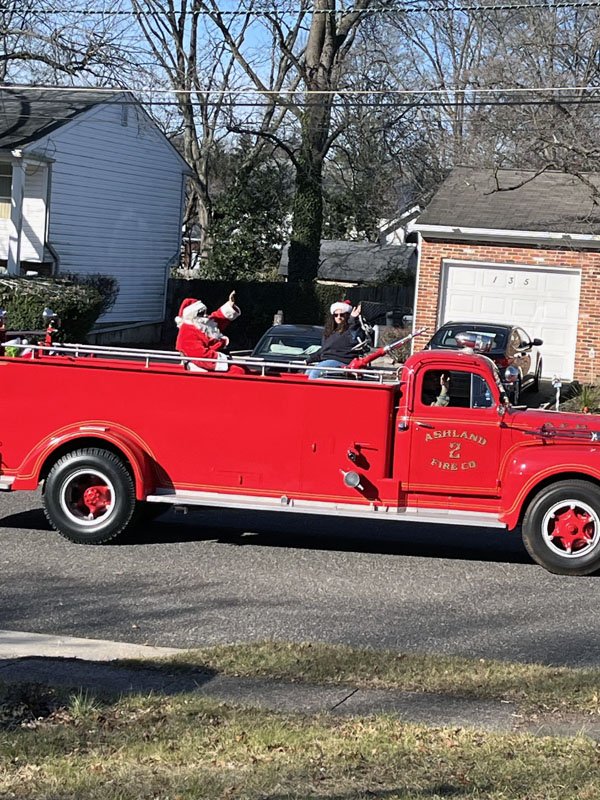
(18, 644)
(85, 664)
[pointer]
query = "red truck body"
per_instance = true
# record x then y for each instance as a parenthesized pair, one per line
(371, 446)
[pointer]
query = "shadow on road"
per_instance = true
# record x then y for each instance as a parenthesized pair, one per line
(308, 532)
(33, 519)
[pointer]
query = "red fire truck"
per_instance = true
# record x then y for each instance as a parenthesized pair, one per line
(112, 434)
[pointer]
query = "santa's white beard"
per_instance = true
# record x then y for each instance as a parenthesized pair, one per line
(209, 327)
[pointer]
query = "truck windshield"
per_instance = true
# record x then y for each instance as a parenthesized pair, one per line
(456, 389)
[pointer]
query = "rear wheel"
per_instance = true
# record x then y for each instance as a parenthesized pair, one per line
(561, 528)
(89, 496)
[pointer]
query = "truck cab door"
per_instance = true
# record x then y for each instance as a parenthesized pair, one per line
(454, 438)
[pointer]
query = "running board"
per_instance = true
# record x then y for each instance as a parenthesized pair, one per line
(6, 482)
(284, 503)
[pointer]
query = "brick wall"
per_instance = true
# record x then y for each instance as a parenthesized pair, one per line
(588, 261)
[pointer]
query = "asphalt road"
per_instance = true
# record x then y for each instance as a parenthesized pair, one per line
(215, 576)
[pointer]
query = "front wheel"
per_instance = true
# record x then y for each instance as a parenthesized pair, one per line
(561, 528)
(536, 381)
(89, 496)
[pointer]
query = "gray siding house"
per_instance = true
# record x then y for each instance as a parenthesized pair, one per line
(89, 184)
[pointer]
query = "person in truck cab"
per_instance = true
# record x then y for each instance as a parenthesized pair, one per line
(436, 386)
(202, 336)
(339, 338)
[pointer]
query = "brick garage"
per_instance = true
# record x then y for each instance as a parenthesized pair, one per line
(527, 225)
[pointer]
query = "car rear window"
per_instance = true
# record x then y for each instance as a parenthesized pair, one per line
(446, 337)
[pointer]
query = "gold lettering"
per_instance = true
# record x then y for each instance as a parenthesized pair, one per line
(444, 465)
(428, 437)
(454, 450)
(469, 465)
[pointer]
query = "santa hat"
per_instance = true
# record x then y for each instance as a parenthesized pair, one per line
(189, 309)
(345, 306)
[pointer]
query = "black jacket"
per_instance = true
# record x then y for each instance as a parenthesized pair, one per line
(338, 346)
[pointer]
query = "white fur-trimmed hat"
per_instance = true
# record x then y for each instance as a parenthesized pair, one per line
(345, 306)
(189, 309)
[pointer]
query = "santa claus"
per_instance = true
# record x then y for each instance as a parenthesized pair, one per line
(201, 335)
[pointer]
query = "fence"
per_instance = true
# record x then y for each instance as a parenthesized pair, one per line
(303, 303)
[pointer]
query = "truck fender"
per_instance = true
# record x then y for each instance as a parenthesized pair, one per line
(116, 438)
(527, 469)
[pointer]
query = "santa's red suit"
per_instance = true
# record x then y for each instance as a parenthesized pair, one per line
(201, 336)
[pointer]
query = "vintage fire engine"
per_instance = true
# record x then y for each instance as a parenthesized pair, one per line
(112, 434)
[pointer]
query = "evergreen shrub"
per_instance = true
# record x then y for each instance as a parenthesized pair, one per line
(78, 301)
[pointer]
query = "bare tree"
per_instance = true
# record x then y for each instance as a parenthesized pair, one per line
(536, 50)
(316, 59)
(50, 40)
(203, 71)
(461, 53)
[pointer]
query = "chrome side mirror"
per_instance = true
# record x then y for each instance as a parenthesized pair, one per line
(511, 375)
(50, 317)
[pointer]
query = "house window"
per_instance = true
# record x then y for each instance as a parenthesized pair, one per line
(5, 190)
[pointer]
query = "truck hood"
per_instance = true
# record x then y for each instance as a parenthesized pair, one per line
(534, 419)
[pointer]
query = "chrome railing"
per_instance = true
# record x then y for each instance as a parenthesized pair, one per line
(384, 374)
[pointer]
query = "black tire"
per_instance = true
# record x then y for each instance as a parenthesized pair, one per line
(89, 496)
(561, 528)
(536, 381)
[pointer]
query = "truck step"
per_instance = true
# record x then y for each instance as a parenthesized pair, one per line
(182, 499)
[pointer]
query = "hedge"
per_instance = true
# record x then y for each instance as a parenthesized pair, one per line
(78, 301)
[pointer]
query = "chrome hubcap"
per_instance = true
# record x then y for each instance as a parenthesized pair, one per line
(571, 528)
(86, 497)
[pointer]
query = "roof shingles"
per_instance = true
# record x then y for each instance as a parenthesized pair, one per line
(28, 114)
(518, 200)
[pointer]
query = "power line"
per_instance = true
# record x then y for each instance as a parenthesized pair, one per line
(416, 104)
(483, 90)
(409, 9)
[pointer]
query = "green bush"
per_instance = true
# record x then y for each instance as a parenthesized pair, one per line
(78, 301)
(581, 399)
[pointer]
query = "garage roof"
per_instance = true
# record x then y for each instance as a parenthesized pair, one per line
(516, 200)
(359, 262)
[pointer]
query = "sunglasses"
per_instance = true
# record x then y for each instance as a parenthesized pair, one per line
(341, 314)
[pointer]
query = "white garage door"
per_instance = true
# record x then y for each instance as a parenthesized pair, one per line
(545, 302)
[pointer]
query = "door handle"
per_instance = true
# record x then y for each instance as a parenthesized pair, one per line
(424, 425)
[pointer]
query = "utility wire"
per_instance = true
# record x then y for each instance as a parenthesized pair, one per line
(409, 9)
(416, 104)
(507, 90)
